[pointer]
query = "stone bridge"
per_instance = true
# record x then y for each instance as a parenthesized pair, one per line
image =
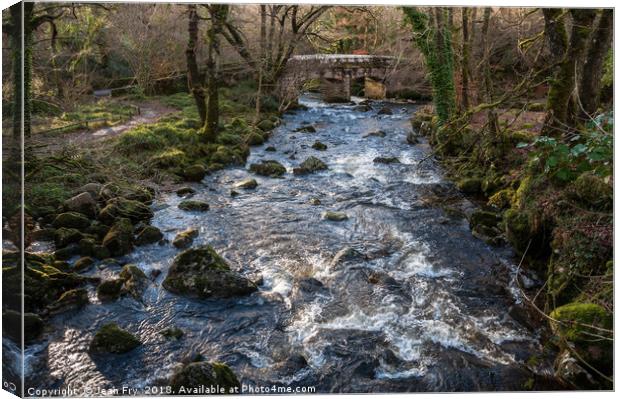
(336, 71)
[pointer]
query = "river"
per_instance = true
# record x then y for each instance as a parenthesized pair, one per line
(419, 304)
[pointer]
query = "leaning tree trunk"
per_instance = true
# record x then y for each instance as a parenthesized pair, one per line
(590, 86)
(194, 79)
(563, 84)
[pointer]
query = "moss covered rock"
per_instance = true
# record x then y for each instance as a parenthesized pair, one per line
(266, 125)
(172, 333)
(195, 173)
(518, 229)
(185, 238)
(592, 191)
(201, 272)
(194, 206)
(246, 184)
(485, 218)
(112, 339)
(185, 191)
(148, 235)
(12, 326)
(65, 236)
(83, 203)
(71, 220)
(109, 290)
(70, 300)
(135, 281)
(502, 199)
(119, 240)
(197, 375)
(268, 168)
(319, 146)
(83, 263)
(469, 185)
(254, 139)
(133, 210)
(335, 216)
(386, 160)
(310, 165)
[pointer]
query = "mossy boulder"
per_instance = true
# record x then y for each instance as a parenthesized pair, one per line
(83, 263)
(196, 375)
(310, 165)
(193, 206)
(117, 208)
(112, 339)
(319, 146)
(172, 333)
(385, 111)
(469, 185)
(375, 133)
(148, 235)
(306, 129)
(201, 272)
(12, 326)
(135, 281)
(502, 199)
(271, 149)
(70, 300)
(83, 203)
(266, 125)
(268, 168)
(593, 191)
(133, 192)
(522, 193)
(246, 184)
(224, 156)
(110, 290)
(172, 158)
(254, 139)
(580, 324)
(185, 238)
(335, 216)
(185, 191)
(518, 229)
(71, 220)
(65, 236)
(119, 240)
(485, 218)
(195, 173)
(386, 160)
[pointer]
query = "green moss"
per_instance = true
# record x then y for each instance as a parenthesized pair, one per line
(171, 158)
(254, 139)
(109, 290)
(195, 173)
(518, 229)
(335, 216)
(83, 263)
(310, 165)
(319, 146)
(112, 339)
(576, 318)
(71, 220)
(117, 208)
(470, 185)
(64, 236)
(502, 199)
(193, 206)
(172, 332)
(268, 168)
(521, 195)
(119, 240)
(592, 191)
(266, 125)
(148, 235)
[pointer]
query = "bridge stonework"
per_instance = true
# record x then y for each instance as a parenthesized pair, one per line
(335, 72)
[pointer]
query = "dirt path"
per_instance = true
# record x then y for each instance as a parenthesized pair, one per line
(150, 112)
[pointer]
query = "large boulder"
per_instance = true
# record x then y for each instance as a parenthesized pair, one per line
(69, 300)
(148, 235)
(134, 210)
(119, 240)
(83, 203)
(71, 220)
(65, 236)
(194, 377)
(310, 165)
(201, 272)
(268, 168)
(110, 290)
(112, 339)
(246, 184)
(135, 281)
(319, 146)
(12, 326)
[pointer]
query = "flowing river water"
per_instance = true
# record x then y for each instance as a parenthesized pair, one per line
(399, 297)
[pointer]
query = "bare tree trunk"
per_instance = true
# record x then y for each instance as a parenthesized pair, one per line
(465, 60)
(590, 86)
(194, 79)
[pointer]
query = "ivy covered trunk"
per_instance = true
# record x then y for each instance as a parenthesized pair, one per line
(218, 15)
(434, 41)
(21, 52)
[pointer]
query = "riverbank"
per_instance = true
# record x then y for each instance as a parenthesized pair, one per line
(552, 202)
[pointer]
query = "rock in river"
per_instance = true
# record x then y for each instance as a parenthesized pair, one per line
(335, 216)
(185, 238)
(310, 165)
(268, 168)
(194, 206)
(201, 272)
(386, 160)
(246, 184)
(195, 376)
(112, 339)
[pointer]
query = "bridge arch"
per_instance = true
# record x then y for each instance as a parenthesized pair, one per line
(336, 72)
